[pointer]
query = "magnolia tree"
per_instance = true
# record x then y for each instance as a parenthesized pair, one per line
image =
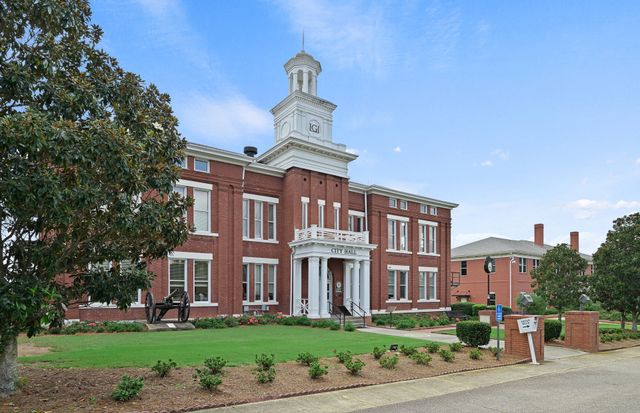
(560, 277)
(616, 278)
(87, 164)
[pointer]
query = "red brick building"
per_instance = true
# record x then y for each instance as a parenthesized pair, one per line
(513, 262)
(287, 231)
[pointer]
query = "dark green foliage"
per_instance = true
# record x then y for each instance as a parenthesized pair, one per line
(344, 356)
(128, 388)
(381, 322)
(215, 364)
(163, 368)
(265, 361)
(316, 370)
(98, 327)
(476, 308)
(408, 350)
(455, 347)
(475, 354)
(539, 306)
(265, 376)
(552, 329)
(446, 355)
(432, 347)
(354, 366)
(295, 321)
(473, 333)
(209, 323)
(208, 380)
(264, 371)
(336, 327)
(466, 308)
(405, 324)
(378, 352)
(443, 320)
(421, 358)
(306, 358)
(231, 321)
(506, 310)
(348, 326)
(389, 361)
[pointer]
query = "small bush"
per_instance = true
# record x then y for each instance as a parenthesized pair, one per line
(265, 376)
(466, 308)
(455, 347)
(552, 329)
(476, 308)
(433, 347)
(354, 366)
(443, 320)
(306, 358)
(335, 327)
(421, 358)
(405, 324)
(378, 352)
(128, 388)
(428, 322)
(446, 355)
(215, 364)
(349, 326)
(231, 321)
(473, 333)
(207, 323)
(408, 350)
(323, 323)
(494, 350)
(475, 354)
(389, 361)
(344, 356)
(316, 370)
(265, 361)
(208, 380)
(163, 368)
(379, 322)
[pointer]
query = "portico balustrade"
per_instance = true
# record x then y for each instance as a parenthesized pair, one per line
(330, 234)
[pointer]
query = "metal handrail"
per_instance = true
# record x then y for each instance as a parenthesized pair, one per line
(361, 312)
(334, 310)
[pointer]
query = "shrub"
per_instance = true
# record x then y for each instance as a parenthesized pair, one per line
(349, 326)
(323, 323)
(421, 358)
(119, 327)
(408, 350)
(378, 352)
(552, 329)
(446, 355)
(265, 361)
(265, 376)
(381, 322)
(128, 388)
(475, 354)
(476, 308)
(354, 366)
(443, 320)
(231, 321)
(494, 350)
(316, 370)
(208, 380)
(455, 347)
(405, 323)
(306, 358)
(466, 308)
(209, 323)
(344, 356)
(336, 326)
(427, 322)
(389, 361)
(215, 364)
(433, 347)
(506, 310)
(163, 368)
(473, 333)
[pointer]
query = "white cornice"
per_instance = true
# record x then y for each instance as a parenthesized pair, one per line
(305, 98)
(208, 152)
(381, 190)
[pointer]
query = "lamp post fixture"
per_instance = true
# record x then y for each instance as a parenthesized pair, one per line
(488, 268)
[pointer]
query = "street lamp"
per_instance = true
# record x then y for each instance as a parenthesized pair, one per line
(488, 268)
(524, 301)
(584, 300)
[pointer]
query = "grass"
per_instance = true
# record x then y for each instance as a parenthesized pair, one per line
(189, 348)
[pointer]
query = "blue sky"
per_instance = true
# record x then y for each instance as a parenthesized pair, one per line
(521, 112)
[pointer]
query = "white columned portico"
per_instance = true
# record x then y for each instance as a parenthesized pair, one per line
(366, 286)
(347, 282)
(314, 286)
(355, 280)
(324, 290)
(297, 286)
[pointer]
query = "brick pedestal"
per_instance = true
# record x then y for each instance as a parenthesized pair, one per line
(518, 344)
(488, 316)
(582, 330)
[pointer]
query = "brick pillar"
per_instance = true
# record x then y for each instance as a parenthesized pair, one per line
(488, 316)
(582, 330)
(517, 344)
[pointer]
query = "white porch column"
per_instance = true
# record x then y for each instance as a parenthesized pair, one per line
(297, 285)
(314, 286)
(305, 81)
(347, 283)
(324, 291)
(295, 81)
(366, 286)
(356, 282)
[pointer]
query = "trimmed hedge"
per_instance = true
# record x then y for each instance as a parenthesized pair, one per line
(473, 333)
(552, 329)
(466, 308)
(476, 308)
(506, 310)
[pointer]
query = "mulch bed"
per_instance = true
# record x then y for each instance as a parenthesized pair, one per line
(615, 345)
(89, 390)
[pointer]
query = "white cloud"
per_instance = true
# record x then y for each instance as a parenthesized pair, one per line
(227, 119)
(397, 149)
(353, 151)
(351, 34)
(588, 208)
(501, 154)
(638, 161)
(487, 163)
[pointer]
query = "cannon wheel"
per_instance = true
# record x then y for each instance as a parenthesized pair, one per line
(184, 309)
(150, 308)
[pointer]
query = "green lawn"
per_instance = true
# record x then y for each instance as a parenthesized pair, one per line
(237, 345)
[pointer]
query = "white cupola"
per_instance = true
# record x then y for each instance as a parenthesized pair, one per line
(302, 71)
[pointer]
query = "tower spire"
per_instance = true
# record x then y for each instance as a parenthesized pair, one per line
(303, 40)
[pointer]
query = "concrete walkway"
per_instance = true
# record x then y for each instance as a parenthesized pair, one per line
(389, 394)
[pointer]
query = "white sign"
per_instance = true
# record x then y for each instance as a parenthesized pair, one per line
(528, 325)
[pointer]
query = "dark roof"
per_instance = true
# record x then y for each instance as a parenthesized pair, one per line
(503, 246)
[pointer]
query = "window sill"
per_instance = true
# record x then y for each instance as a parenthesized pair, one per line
(265, 241)
(204, 304)
(398, 301)
(254, 303)
(399, 252)
(429, 301)
(206, 233)
(429, 254)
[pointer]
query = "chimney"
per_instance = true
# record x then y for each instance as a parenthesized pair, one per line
(574, 240)
(538, 234)
(250, 151)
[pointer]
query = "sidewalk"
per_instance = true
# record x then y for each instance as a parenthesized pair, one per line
(386, 394)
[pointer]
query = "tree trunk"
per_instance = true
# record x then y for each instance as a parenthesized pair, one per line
(9, 367)
(623, 320)
(634, 321)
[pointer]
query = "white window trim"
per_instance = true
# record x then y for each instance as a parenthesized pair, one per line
(185, 272)
(406, 204)
(322, 202)
(208, 283)
(262, 198)
(194, 184)
(260, 260)
(393, 267)
(356, 213)
(208, 198)
(202, 256)
(258, 224)
(400, 252)
(246, 218)
(275, 282)
(201, 159)
(261, 300)
(275, 223)
(425, 222)
(206, 233)
(397, 218)
(304, 199)
(398, 301)
(337, 205)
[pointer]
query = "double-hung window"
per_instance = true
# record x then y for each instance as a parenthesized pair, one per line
(271, 283)
(392, 234)
(398, 285)
(535, 263)
(321, 204)
(463, 268)
(177, 275)
(356, 220)
(201, 165)
(427, 237)
(305, 213)
(201, 213)
(403, 236)
(397, 233)
(393, 203)
(522, 264)
(257, 282)
(427, 279)
(433, 233)
(271, 221)
(336, 215)
(245, 282)
(245, 218)
(258, 211)
(201, 281)
(255, 226)
(404, 204)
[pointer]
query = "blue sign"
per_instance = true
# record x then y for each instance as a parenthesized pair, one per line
(499, 312)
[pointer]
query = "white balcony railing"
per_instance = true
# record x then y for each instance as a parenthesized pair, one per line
(329, 234)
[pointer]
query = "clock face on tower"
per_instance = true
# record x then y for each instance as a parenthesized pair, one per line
(314, 126)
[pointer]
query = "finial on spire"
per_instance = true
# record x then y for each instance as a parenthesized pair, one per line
(303, 40)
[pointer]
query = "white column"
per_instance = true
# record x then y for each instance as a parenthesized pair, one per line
(295, 81)
(314, 286)
(305, 81)
(314, 84)
(347, 283)
(297, 285)
(366, 286)
(324, 291)
(356, 282)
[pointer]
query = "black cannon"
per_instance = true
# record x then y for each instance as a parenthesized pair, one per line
(178, 299)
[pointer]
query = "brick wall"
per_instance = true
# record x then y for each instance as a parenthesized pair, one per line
(517, 344)
(582, 330)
